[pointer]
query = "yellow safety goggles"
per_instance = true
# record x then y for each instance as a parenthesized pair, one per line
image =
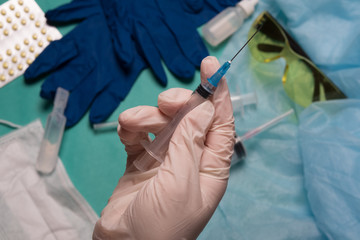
(303, 82)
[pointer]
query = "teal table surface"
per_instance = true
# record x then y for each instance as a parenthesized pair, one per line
(94, 160)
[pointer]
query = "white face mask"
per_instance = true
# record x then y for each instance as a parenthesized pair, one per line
(35, 206)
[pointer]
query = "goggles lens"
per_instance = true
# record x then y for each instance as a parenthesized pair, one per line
(303, 82)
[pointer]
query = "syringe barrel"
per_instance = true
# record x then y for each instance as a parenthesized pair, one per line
(157, 149)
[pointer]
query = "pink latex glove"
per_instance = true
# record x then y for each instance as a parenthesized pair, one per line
(176, 199)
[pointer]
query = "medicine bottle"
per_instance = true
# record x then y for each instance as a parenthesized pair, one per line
(227, 22)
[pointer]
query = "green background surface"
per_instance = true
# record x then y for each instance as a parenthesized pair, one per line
(94, 160)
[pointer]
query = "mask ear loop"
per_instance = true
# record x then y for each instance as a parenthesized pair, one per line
(10, 124)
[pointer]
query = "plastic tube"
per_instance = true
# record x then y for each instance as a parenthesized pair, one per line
(240, 101)
(54, 130)
(105, 125)
(239, 144)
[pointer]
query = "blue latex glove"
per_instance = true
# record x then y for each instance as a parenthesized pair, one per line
(195, 12)
(162, 30)
(84, 62)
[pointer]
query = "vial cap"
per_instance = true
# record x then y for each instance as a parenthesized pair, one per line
(240, 150)
(248, 6)
(61, 99)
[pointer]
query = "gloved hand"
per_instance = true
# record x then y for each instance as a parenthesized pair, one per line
(84, 62)
(162, 30)
(176, 199)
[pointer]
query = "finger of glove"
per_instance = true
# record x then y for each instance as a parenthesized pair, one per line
(170, 101)
(123, 44)
(108, 100)
(177, 184)
(119, 23)
(136, 121)
(179, 17)
(73, 11)
(78, 77)
(54, 55)
(220, 5)
(151, 54)
(188, 38)
(194, 6)
(68, 76)
(170, 50)
(220, 138)
(81, 97)
(187, 143)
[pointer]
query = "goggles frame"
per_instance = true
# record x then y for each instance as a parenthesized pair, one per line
(324, 88)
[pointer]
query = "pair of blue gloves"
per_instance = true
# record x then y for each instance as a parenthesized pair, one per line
(100, 59)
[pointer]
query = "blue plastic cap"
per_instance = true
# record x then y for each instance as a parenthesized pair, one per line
(214, 79)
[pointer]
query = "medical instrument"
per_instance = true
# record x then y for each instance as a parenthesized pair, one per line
(239, 141)
(105, 125)
(303, 82)
(48, 154)
(157, 148)
(238, 102)
(227, 22)
(24, 34)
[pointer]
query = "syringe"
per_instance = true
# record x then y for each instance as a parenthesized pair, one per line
(239, 141)
(157, 148)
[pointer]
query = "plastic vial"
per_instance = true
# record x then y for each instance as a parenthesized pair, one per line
(54, 130)
(240, 101)
(227, 22)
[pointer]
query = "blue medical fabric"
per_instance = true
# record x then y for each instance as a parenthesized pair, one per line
(329, 139)
(268, 195)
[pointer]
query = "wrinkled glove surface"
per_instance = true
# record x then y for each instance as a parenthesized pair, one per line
(176, 199)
